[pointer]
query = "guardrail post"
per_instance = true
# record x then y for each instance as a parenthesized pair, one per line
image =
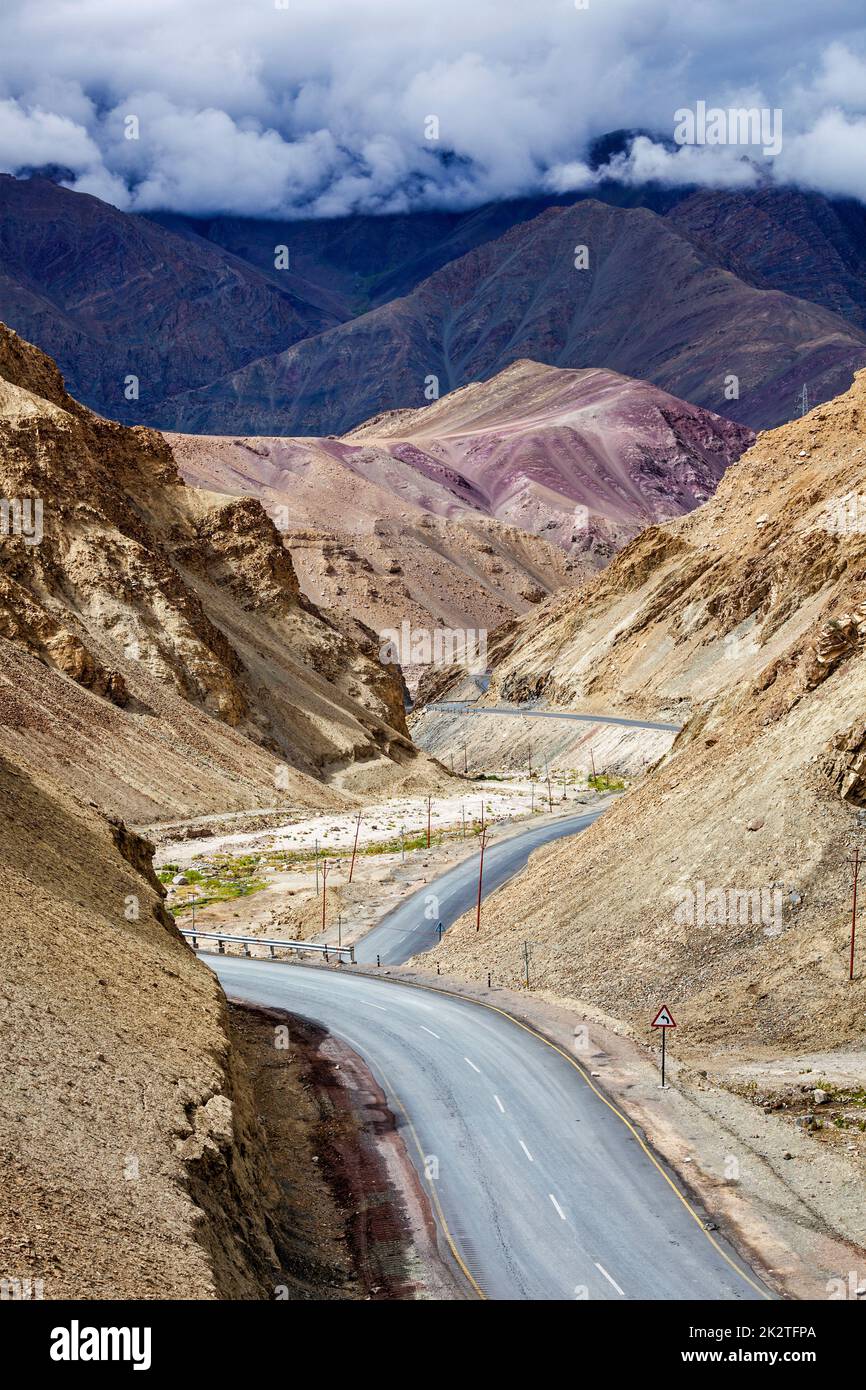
(378, 962)
(194, 942)
(273, 954)
(221, 947)
(326, 953)
(246, 949)
(352, 954)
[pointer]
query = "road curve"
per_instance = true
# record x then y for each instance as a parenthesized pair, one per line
(518, 711)
(411, 927)
(542, 1190)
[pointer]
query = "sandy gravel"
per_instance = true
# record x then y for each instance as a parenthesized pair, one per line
(383, 821)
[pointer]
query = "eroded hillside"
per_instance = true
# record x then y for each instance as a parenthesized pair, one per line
(131, 1165)
(479, 505)
(155, 648)
(721, 885)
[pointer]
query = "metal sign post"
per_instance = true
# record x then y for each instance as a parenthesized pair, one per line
(664, 1019)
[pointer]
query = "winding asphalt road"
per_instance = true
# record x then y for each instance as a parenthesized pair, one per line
(520, 712)
(542, 1190)
(412, 927)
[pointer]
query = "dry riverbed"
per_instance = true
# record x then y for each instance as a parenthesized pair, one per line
(291, 879)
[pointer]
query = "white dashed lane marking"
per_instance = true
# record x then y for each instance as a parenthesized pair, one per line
(608, 1278)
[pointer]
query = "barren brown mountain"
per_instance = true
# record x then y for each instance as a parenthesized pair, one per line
(155, 649)
(108, 295)
(156, 658)
(480, 504)
(721, 884)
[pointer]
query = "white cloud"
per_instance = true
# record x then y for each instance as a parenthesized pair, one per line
(320, 108)
(831, 157)
(726, 166)
(31, 136)
(841, 78)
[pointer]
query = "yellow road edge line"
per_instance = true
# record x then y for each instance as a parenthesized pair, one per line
(527, 1028)
(433, 1193)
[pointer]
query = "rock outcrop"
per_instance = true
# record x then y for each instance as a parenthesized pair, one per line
(155, 648)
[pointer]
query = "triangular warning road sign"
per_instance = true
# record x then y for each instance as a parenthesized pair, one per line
(664, 1018)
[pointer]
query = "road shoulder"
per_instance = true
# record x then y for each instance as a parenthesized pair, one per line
(354, 1222)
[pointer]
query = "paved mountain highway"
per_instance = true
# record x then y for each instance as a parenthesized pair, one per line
(518, 711)
(407, 930)
(544, 1191)
(541, 1188)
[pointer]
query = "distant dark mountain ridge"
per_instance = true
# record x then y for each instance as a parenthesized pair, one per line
(652, 303)
(181, 322)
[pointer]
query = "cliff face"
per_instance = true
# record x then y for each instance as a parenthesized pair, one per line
(155, 645)
(721, 884)
(156, 657)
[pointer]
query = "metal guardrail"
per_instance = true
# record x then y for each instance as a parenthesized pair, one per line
(341, 952)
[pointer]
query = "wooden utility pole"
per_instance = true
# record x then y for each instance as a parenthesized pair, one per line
(465, 769)
(317, 868)
(526, 962)
(480, 877)
(592, 755)
(530, 759)
(855, 867)
(429, 804)
(355, 847)
(452, 764)
(463, 817)
(549, 795)
(324, 889)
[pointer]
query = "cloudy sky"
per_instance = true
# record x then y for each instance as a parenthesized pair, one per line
(321, 107)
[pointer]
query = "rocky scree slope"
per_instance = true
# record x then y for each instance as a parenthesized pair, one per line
(747, 619)
(131, 1162)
